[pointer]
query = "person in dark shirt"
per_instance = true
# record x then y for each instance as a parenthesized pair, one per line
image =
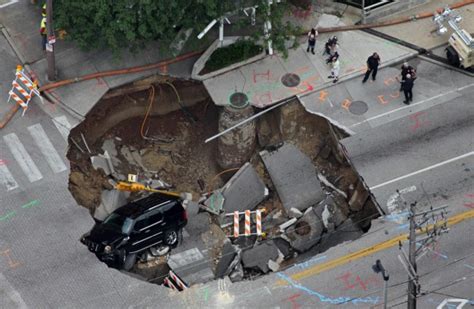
(407, 69)
(407, 87)
(372, 66)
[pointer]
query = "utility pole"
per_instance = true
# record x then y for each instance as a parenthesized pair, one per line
(433, 223)
(363, 11)
(412, 284)
(50, 41)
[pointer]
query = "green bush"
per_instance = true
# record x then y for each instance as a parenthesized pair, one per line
(225, 56)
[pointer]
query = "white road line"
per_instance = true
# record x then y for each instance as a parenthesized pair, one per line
(22, 157)
(423, 170)
(411, 105)
(63, 126)
(8, 3)
(7, 178)
(10, 297)
(47, 148)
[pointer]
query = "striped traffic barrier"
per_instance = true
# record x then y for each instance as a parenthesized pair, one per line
(25, 89)
(236, 224)
(170, 284)
(248, 223)
(258, 219)
(18, 100)
(179, 282)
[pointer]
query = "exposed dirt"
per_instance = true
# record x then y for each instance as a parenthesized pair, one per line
(171, 148)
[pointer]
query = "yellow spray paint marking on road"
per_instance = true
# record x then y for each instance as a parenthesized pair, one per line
(367, 251)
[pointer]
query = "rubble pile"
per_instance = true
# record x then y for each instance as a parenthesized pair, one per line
(301, 196)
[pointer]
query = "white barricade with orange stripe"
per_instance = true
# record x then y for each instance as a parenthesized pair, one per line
(23, 89)
(248, 223)
(174, 282)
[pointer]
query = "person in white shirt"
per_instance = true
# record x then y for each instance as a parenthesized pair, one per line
(335, 67)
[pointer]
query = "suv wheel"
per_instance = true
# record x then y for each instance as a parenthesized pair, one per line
(127, 260)
(171, 237)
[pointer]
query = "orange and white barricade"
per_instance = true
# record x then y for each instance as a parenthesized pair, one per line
(247, 222)
(23, 89)
(174, 282)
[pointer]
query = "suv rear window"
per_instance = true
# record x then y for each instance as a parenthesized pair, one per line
(118, 223)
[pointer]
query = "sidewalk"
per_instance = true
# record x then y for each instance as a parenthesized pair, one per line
(261, 81)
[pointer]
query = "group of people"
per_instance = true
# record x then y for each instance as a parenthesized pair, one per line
(331, 48)
(408, 73)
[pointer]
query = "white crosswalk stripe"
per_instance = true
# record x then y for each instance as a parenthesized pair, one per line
(22, 157)
(47, 148)
(63, 126)
(6, 177)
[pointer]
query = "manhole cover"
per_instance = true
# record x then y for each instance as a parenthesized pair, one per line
(358, 107)
(302, 228)
(290, 80)
(239, 100)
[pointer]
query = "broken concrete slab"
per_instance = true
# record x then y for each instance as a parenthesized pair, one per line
(237, 274)
(306, 232)
(132, 156)
(294, 176)
(103, 162)
(295, 213)
(109, 146)
(227, 256)
(245, 190)
(283, 246)
(192, 208)
(332, 215)
(192, 266)
(259, 255)
(275, 265)
(287, 224)
(347, 231)
(110, 200)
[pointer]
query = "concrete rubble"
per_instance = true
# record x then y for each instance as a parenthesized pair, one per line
(331, 215)
(347, 231)
(192, 266)
(104, 162)
(306, 232)
(294, 176)
(229, 258)
(109, 201)
(258, 256)
(245, 190)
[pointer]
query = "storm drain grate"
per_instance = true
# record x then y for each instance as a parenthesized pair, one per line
(238, 100)
(358, 107)
(290, 80)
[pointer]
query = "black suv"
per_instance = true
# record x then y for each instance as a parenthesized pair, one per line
(151, 223)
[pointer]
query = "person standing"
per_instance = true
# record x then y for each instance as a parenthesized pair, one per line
(335, 67)
(43, 31)
(407, 87)
(312, 40)
(372, 67)
(407, 69)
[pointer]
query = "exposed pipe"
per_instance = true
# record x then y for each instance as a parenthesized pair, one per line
(120, 71)
(394, 21)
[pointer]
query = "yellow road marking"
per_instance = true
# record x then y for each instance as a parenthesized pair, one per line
(366, 251)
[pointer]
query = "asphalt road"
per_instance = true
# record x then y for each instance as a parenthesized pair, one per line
(43, 265)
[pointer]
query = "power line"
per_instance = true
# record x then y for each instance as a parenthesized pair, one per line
(406, 281)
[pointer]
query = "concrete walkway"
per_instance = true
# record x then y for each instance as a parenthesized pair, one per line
(261, 81)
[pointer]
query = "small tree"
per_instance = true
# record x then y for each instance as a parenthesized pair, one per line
(116, 24)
